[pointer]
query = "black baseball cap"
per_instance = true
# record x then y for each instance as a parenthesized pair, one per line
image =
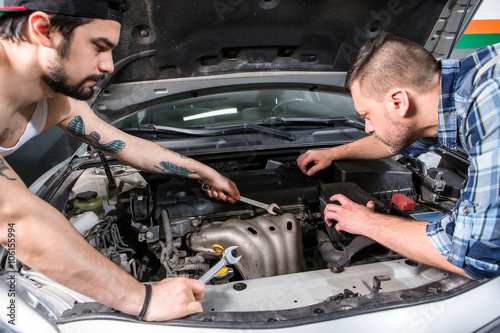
(81, 8)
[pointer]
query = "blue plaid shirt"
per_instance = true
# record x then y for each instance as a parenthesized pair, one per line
(469, 237)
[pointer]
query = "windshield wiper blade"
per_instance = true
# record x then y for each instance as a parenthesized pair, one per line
(213, 131)
(319, 121)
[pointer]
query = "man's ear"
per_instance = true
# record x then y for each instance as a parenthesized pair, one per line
(397, 101)
(39, 28)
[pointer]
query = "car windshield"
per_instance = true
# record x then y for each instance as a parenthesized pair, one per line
(242, 107)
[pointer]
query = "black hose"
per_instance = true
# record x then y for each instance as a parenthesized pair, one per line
(168, 249)
(169, 239)
(107, 170)
(324, 244)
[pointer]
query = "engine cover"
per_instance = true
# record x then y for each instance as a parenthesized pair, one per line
(269, 245)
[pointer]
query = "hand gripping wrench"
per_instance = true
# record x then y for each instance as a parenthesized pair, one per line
(227, 259)
(271, 209)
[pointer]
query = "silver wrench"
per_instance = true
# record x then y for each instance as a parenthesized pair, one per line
(270, 208)
(227, 259)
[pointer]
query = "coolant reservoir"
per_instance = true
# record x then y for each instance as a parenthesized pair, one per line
(89, 201)
(84, 222)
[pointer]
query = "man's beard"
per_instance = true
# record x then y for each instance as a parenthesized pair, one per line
(401, 136)
(57, 80)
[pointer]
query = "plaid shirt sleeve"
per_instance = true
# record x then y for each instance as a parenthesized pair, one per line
(470, 236)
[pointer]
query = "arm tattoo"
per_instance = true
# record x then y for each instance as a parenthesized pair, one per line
(77, 128)
(3, 167)
(171, 168)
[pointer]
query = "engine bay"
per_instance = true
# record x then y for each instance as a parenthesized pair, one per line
(155, 226)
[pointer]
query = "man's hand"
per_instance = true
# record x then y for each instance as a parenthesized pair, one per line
(368, 147)
(407, 237)
(351, 217)
(174, 298)
(221, 187)
(322, 159)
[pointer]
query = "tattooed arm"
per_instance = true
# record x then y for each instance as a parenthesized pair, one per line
(26, 217)
(82, 123)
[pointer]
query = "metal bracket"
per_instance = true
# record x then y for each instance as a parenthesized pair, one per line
(377, 280)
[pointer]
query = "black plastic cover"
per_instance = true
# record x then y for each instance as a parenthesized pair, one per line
(381, 178)
(354, 193)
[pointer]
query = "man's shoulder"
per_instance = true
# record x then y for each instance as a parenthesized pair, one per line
(59, 108)
(474, 70)
(479, 58)
(58, 103)
(62, 107)
(487, 52)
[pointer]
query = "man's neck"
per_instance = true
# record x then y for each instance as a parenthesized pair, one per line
(426, 115)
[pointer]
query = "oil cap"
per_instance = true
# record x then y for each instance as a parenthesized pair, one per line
(86, 196)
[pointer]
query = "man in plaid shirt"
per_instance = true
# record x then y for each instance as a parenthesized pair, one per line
(412, 104)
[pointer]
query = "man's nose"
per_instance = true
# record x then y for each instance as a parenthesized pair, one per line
(368, 127)
(106, 64)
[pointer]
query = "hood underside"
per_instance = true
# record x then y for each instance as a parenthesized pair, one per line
(173, 39)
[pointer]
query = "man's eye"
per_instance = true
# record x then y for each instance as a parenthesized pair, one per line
(100, 48)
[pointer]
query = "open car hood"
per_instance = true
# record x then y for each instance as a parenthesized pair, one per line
(163, 39)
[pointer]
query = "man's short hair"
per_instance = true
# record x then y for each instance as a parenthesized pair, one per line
(13, 25)
(386, 62)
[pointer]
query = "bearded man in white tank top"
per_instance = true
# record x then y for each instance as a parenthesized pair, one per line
(46, 74)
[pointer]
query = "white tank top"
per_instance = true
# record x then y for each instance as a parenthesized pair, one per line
(34, 127)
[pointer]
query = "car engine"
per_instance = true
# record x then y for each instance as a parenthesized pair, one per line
(156, 226)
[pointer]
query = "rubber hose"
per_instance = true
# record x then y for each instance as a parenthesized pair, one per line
(324, 244)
